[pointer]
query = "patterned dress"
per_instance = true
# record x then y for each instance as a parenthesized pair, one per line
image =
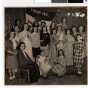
(53, 54)
(68, 49)
(78, 53)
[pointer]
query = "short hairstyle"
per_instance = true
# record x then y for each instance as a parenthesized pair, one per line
(63, 18)
(73, 27)
(58, 26)
(17, 20)
(20, 45)
(78, 35)
(23, 26)
(52, 31)
(62, 52)
(42, 29)
(33, 29)
(34, 24)
(67, 30)
(83, 28)
(43, 22)
(51, 25)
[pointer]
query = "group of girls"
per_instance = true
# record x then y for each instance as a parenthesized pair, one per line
(53, 48)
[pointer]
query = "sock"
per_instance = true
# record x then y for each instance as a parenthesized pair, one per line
(10, 77)
(13, 77)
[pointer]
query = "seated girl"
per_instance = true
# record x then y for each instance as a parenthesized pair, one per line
(60, 64)
(44, 65)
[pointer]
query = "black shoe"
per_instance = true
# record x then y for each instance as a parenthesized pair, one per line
(79, 75)
(11, 81)
(45, 77)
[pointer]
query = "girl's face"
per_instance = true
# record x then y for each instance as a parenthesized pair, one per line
(36, 23)
(18, 22)
(54, 32)
(16, 28)
(60, 53)
(42, 53)
(44, 29)
(59, 28)
(74, 29)
(68, 32)
(64, 20)
(12, 35)
(78, 37)
(25, 26)
(53, 25)
(35, 29)
(80, 28)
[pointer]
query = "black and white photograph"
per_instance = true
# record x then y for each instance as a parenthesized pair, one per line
(45, 45)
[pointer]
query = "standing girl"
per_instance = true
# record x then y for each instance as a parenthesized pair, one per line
(35, 39)
(45, 39)
(53, 44)
(52, 27)
(79, 53)
(11, 59)
(60, 36)
(64, 24)
(81, 30)
(68, 47)
(25, 37)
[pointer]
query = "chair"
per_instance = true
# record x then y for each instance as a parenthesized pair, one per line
(28, 72)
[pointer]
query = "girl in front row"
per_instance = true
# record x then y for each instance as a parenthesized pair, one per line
(44, 65)
(79, 53)
(60, 64)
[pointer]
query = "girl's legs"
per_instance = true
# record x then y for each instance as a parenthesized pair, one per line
(13, 72)
(10, 75)
(79, 69)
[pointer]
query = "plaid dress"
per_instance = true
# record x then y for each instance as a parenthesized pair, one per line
(78, 53)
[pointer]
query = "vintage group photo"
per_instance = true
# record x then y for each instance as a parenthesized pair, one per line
(45, 45)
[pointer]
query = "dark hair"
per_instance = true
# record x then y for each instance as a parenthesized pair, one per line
(51, 25)
(73, 27)
(78, 35)
(34, 24)
(42, 29)
(20, 45)
(52, 31)
(17, 20)
(23, 27)
(41, 51)
(63, 18)
(33, 29)
(43, 22)
(10, 33)
(83, 28)
(67, 30)
(58, 26)
(62, 52)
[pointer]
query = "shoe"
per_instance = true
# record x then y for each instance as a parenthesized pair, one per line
(59, 75)
(11, 81)
(79, 75)
(45, 77)
(14, 80)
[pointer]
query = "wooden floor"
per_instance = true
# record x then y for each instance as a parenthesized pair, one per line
(68, 79)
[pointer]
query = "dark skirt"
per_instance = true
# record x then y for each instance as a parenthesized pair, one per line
(11, 62)
(36, 51)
